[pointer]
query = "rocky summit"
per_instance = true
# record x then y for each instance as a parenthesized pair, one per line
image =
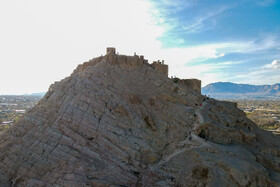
(120, 121)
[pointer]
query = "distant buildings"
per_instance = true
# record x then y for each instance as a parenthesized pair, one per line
(5, 123)
(20, 111)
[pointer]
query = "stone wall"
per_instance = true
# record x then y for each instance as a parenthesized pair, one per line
(111, 50)
(160, 67)
(134, 61)
(193, 83)
(129, 62)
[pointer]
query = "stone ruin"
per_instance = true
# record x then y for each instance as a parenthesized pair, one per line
(159, 66)
(195, 84)
(111, 50)
(116, 121)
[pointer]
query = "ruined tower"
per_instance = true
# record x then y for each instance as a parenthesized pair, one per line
(111, 50)
(160, 66)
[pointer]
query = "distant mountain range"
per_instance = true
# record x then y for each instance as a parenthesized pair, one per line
(38, 94)
(228, 90)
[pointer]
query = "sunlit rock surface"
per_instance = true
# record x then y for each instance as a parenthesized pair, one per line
(117, 121)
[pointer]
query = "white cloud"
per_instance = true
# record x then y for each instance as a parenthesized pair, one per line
(275, 64)
(220, 55)
(258, 75)
(174, 3)
(258, 45)
(172, 6)
(265, 2)
(43, 41)
(205, 21)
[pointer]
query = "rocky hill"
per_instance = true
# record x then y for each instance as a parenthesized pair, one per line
(230, 90)
(119, 121)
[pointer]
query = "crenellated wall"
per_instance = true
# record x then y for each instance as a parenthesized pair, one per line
(159, 66)
(126, 61)
(131, 62)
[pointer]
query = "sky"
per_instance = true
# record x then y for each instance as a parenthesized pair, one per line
(219, 40)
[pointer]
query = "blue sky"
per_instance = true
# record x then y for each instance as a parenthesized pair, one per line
(246, 30)
(43, 41)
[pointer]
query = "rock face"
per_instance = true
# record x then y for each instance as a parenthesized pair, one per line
(116, 121)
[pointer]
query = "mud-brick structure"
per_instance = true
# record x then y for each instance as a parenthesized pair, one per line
(136, 60)
(111, 50)
(124, 60)
(160, 66)
(193, 83)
